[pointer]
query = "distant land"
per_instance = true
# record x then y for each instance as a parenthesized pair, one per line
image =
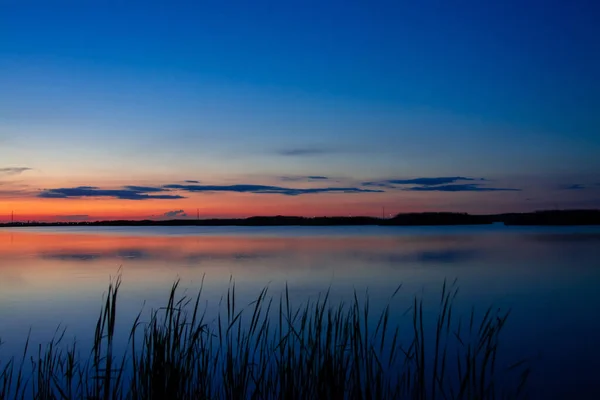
(553, 217)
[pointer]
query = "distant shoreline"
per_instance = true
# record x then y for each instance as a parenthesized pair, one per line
(538, 218)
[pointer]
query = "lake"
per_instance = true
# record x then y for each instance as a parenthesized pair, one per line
(548, 276)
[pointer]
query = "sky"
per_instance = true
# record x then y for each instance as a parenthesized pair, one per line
(231, 109)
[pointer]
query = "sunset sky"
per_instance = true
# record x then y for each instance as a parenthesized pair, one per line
(159, 109)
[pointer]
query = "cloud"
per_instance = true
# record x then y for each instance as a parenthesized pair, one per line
(191, 181)
(13, 170)
(459, 188)
(574, 186)
(263, 189)
(382, 184)
(175, 213)
(437, 184)
(303, 178)
(13, 194)
(145, 189)
(132, 192)
(11, 190)
(305, 151)
(390, 183)
(126, 193)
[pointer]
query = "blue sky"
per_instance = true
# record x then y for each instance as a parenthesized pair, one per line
(107, 95)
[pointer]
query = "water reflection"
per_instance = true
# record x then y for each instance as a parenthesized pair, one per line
(548, 277)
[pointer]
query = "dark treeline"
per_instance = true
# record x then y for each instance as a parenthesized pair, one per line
(554, 217)
(557, 217)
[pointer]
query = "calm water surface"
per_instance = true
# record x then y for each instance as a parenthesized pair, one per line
(549, 277)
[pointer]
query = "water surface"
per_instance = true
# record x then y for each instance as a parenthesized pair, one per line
(548, 276)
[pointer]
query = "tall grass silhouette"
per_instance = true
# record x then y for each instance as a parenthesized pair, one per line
(271, 349)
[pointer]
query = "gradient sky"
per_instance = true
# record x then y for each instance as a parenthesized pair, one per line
(297, 108)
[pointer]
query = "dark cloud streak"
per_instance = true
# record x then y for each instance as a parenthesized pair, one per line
(303, 178)
(126, 193)
(305, 151)
(13, 170)
(389, 183)
(145, 189)
(459, 188)
(132, 192)
(573, 186)
(437, 184)
(175, 213)
(264, 189)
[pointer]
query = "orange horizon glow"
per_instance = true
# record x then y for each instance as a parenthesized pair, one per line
(206, 206)
(21, 197)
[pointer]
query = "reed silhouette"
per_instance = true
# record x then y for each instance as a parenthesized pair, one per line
(272, 349)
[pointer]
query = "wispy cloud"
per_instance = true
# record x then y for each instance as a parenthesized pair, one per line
(436, 184)
(303, 178)
(573, 186)
(175, 213)
(126, 193)
(459, 188)
(12, 190)
(264, 189)
(390, 183)
(133, 192)
(13, 170)
(305, 151)
(14, 194)
(191, 181)
(380, 184)
(144, 189)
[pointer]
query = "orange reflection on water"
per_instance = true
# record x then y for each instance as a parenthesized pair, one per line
(41, 263)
